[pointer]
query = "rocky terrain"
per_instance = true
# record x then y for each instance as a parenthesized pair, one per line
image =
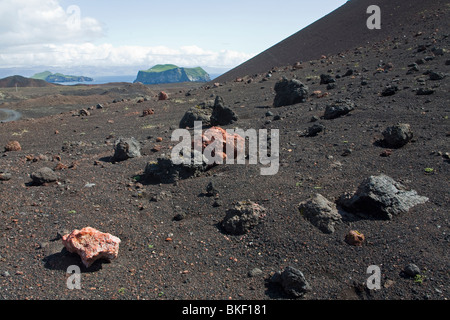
(362, 181)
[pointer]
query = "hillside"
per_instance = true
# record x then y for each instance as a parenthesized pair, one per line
(170, 73)
(21, 82)
(59, 77)
(342, 30)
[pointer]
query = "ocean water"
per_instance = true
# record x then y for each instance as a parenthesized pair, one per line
(108, 79)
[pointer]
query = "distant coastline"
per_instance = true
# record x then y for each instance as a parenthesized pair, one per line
(109, 79)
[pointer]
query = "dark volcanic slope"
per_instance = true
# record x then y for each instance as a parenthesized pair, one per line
(341, 30)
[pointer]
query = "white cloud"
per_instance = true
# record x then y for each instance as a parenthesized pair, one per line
(29, 22)
(104, 55)
(43, 33)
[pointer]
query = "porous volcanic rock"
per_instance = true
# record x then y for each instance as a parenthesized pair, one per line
(222, 115)
(397, 136)
(126, 148)
(381, 197)
(13, 146)
(292, 281)
(244, 216)
(339, 108)
(91, 245)
(321, 212)
(289, 92)
(43, 175)
(201, 112)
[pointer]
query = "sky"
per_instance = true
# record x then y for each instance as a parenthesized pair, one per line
(112, 33)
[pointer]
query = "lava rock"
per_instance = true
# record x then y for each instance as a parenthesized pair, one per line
(424, 91)
(91, 245)
(44, 175)
(326, 79)
(381, 197)
(201, 112)
(289, 92)
(244, 216)
(389, 91)
(411, 270)
(355, 238)
(292, 281)
(315, 130)
(13, 146)
(436, 75)
(338, 109)
(321, 213)
(126, 148)
(222, 115)
(397, 136)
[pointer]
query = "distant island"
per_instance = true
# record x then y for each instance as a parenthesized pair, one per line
(59, 77)
(169, 73)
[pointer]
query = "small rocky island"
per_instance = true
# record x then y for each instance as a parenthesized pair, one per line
(169, 73)
(59, 77)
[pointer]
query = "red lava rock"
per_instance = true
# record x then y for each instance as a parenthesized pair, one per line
(13, 146)
(91, 245)
(386, 153)
(228, 141)
(148, 112)
(163, 96)
(355, 238)
(159, 139)
(156, 148)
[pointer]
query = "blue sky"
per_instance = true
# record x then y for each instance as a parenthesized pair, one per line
(219, 34)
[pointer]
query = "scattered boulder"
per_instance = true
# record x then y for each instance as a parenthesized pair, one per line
(5, 175)
(148, 112)
(381, 197)
(326, 79)
(424, 91)
(222, 115)
(411, 270)
(355, 238)
(91, 245)
(84, 113)
(389, 91)
(292, 281)
(244, 216)
(168, 171)
(397, 136)
(13, 146)
(315, 130)
(321, 213)
(338, 109)
(43, 176)
(126, 148)
(201, 112)
(436, 75)
(289, 92)
(162, 96)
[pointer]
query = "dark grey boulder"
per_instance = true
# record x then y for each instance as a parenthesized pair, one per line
(381, 197)
(289, 92)
(221, 114)
(397, 136)
(201, 112)
(44, 175)
(321, 212)
(338, 108)
(326, 79)
(126, 148)
(167, 170)
(292, 281)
